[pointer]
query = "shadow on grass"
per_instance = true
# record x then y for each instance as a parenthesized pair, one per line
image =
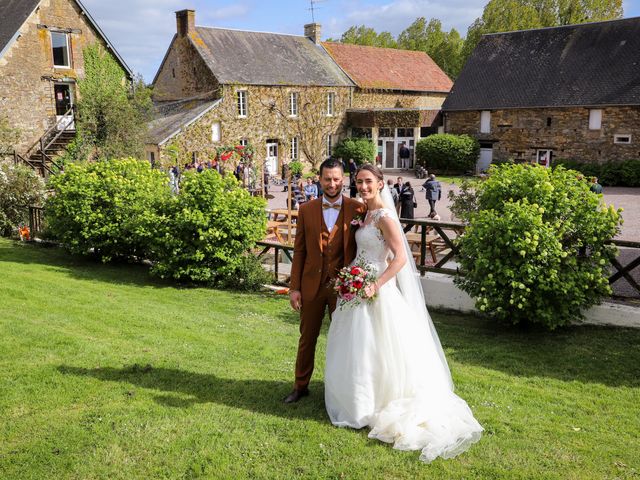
(79, 267)
(589, 354)
(260, 396)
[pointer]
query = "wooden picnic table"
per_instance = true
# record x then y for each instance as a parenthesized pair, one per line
(275, 213)
(415, 240)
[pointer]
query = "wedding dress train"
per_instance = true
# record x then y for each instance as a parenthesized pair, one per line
(385, 368)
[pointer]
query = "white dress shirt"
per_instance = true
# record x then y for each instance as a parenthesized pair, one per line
(330, 215)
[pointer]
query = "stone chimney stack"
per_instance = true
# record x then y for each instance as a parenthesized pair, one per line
(312, 31)
(186, 21)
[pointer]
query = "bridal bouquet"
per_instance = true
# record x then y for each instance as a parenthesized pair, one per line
(351, 282)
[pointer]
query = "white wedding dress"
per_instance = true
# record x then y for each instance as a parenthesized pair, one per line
(385, 368)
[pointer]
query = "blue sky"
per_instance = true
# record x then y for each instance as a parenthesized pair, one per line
(142, 29)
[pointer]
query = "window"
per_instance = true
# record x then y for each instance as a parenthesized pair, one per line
(215, 132)
(242, 103)
(331, 97)
(244, 142)
(152, 158)
(543, 157)
(385, 132)
(595, 119)
(357, 132)
(60, 47)
(293, 104)
(405, 132)
(294, 148)
(329, 145)
(625, 139)
(485, 121)
(548, 121)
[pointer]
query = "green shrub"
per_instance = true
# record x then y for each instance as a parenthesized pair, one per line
(362, 150)
(535, 250)
(111, 206)
(447, 153)
(248, 275)
(20, 188)
(625, 173)
(209, 227)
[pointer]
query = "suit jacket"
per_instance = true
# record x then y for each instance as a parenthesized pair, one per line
(434, 191)
(306, 270)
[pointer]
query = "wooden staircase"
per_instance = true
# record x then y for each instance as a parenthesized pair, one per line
(41, 156)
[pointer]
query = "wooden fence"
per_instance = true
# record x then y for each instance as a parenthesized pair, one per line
(435, 250)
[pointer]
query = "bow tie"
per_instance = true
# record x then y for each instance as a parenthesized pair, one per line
(336, 206)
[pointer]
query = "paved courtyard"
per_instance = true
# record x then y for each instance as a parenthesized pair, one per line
(620, 197)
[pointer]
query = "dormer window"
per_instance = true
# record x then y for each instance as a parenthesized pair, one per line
(60, 49)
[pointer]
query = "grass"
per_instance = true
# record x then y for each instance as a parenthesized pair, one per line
(107, 374)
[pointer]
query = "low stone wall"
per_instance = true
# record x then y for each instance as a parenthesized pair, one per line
(442, 294)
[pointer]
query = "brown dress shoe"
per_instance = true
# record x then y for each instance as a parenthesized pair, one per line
(296, 395)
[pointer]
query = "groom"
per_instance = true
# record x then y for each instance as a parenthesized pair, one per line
(324, 244)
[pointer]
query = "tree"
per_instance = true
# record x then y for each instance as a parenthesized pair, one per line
(510, 15)
(112, 112)
(362, 35)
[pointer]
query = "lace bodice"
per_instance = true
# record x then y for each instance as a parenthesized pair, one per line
(372, 248)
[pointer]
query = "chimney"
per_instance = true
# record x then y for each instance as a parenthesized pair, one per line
(186, 21)
(312, 31)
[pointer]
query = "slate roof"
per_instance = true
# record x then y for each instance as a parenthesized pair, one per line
(594, 64)
(172, 117)
(389, 68)
(13, 14)
(259, 58)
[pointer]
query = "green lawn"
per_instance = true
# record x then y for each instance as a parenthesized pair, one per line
(107, 374)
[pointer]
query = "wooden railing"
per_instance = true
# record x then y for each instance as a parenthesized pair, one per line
(444, 249)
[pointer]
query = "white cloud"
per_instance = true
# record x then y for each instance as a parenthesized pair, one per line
(397, 15)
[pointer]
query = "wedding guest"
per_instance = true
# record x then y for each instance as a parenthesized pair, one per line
(310, 190)
(407, 201)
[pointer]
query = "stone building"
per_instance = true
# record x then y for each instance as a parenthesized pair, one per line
(397, 97)
(570, 92)
(41, 59)
(289, 96)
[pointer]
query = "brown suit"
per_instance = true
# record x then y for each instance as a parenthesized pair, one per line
(317, 256)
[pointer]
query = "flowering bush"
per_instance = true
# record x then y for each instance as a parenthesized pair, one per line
(536, 250)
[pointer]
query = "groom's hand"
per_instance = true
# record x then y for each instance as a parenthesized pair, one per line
(295, 298)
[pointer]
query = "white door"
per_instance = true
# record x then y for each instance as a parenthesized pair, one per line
(64, 101)
(486, 157)
(272, 158)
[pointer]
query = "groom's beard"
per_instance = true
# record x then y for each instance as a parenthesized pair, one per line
(332, 198)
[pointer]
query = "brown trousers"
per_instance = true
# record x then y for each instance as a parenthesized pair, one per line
(310, 323)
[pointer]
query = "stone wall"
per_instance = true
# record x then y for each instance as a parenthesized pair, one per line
(183, 73)
(268, 118)
(27, 74)
(518, 134)
(383, 99)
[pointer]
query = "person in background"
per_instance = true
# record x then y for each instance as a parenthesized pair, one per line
(394, 193)
(398, 186)
(353, 170)
(407, 201)
(310, 190)
(433, 194)
(595, 186)
(316, 181)
(405, 156)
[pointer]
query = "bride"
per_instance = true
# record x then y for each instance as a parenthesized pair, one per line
(385, 367)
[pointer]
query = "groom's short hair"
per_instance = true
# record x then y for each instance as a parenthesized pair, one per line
(331, 163)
